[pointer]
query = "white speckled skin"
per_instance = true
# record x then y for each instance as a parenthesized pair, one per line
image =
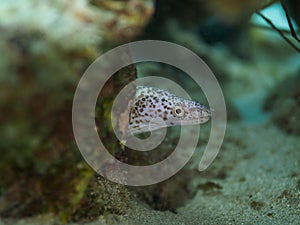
(152, 103)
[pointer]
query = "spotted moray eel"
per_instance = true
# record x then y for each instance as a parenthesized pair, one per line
(153, 103)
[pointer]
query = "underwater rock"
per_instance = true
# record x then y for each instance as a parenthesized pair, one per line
(235, 11)
(284, 105)
(124, 19)
(213, 31)
(46, 46)
(170, 194)
(102, 196)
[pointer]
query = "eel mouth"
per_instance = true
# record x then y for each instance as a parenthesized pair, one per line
(201, 115)
(203, 111)
(200, 120)
(207, 112)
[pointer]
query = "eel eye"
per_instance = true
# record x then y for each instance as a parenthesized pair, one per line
(178, 111)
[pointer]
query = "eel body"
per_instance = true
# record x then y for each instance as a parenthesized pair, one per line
(155, 108)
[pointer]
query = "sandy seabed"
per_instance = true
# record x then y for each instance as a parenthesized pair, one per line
(261, 186)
